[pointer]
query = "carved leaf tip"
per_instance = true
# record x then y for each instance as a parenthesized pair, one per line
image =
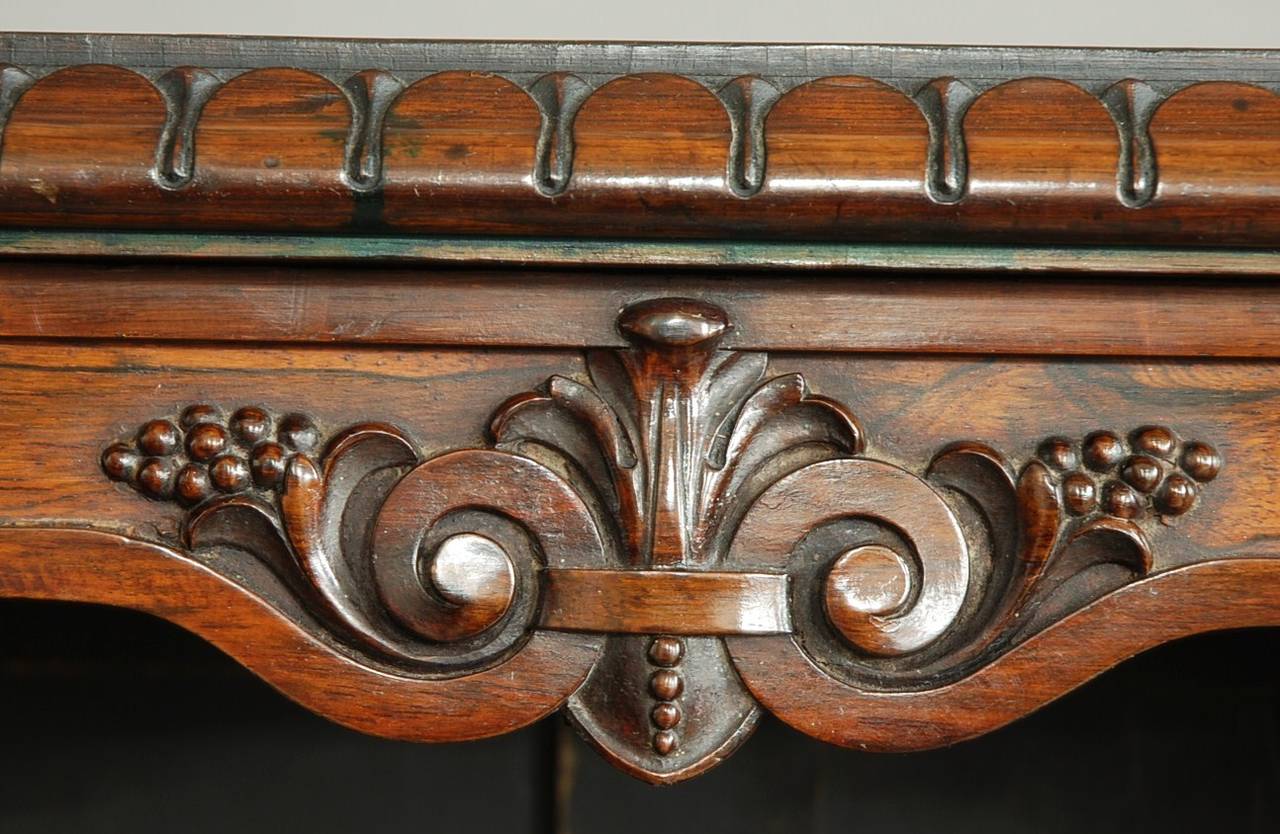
(586, 403)
(235, 520)
(247, 523)
(966, 453)
(383, 434)
(502, 423)
(1040, 509)
(1132, 547)
(851, 433)
(827, 421)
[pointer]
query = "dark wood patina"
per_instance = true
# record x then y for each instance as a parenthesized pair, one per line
(893, 391)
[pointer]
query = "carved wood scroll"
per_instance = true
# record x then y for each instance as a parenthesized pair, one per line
(660, 546)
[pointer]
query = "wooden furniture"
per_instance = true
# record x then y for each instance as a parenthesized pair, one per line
(895, 391)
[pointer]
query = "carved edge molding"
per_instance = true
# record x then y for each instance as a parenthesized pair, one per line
(661, 548)
(940, 86)
(747, 101)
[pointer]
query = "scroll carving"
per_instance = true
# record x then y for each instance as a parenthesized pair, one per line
(686, 516)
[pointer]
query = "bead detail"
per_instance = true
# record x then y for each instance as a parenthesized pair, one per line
(665, 715)
(665, 742)
(666, 684)
(1201, 461)
(666, 652)
(1079, 493)
(1059, 453)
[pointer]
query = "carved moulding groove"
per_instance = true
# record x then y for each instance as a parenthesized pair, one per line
(662, 548)
(764, 114)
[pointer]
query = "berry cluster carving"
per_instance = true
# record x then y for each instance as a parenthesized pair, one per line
(205, 453)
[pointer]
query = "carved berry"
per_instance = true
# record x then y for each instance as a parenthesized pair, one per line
(1155, 440)
(1122, 500)
(158, 437)
(666, 685)
(665, 742)
(1143, 473)
(229, 473)
(298, 433)
(1103, 450)
(1176, 495)
(194, 415)
(193, 484)
(1059, 453)
(1079, 493)
(1201, 461)
(665, 715)
(268, 464)
(206, 441)
(155, 478)
(250, 424)
(665, 651)
(121, 461)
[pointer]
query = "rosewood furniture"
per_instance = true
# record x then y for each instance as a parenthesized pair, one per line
(894, 391)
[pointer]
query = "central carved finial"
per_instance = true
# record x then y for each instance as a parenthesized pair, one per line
(675, 341)
(674, 323)
(681, 426)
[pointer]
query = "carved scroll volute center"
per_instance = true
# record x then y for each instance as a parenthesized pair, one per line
(475, 579)
(866, 580)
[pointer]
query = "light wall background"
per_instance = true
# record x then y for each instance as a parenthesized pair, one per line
(1143, 23)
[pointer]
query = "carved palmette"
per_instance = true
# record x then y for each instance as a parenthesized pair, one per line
(700, 525)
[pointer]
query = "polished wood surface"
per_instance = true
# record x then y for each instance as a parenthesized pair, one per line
(854, 536)
(674, 602)
(965, 314)
(437, 489)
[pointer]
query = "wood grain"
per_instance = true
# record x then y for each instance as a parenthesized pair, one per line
(268, 139)
(116, 154)
(666, 601)
(1235, 148)
(321, 304)
(462, 143)
(1135, 262)
(814, 147)
(1014, 159)
(438, 503)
